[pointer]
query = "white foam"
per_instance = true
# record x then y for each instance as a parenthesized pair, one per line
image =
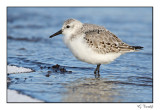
(14, 96)
(15, 69)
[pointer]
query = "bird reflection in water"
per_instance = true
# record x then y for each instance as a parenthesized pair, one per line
(91, 90)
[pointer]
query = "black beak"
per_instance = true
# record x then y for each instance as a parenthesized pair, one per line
(57, 33)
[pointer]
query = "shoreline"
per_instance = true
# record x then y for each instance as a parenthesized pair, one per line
(14, 96)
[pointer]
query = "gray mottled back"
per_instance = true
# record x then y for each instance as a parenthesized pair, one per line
(103, 41)
(91, 27)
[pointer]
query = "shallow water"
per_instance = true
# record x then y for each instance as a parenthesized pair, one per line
(127, 79)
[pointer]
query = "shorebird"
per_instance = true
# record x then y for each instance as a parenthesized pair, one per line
(92, 43)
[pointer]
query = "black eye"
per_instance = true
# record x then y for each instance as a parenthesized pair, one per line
(67, 26)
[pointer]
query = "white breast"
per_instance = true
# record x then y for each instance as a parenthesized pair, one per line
(81, 51)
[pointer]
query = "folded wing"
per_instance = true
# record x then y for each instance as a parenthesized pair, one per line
(103, 41)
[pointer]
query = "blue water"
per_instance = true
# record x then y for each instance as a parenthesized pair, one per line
(127, 79)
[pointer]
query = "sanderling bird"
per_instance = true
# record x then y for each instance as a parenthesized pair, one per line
(92, 43)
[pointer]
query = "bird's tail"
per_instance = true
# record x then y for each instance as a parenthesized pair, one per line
(137, 47)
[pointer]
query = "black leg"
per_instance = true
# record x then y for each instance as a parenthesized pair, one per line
(97, 69)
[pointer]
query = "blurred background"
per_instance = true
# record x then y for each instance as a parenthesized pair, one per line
(127, 79)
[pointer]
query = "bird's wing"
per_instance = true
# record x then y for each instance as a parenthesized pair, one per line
(103, 41)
